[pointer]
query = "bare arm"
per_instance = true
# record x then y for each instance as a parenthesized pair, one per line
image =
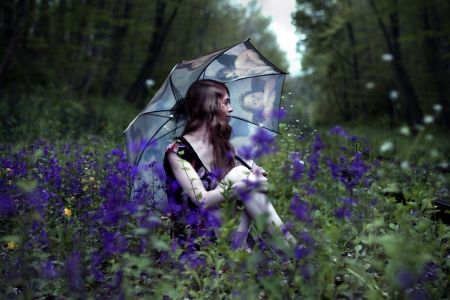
(248, 58)
(191, 184)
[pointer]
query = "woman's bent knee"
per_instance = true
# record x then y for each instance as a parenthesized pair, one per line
(237, 174)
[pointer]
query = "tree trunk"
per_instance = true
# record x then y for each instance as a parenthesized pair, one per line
(137, 90)
(435, 65)
(15, 30)
(119, 33)
(413, 112)
(355, 69)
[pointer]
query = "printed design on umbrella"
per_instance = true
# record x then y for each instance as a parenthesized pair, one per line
(237, 62)
(255, 86)
(260, 100)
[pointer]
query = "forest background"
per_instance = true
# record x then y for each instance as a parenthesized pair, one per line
(75, 73)
(68, 67)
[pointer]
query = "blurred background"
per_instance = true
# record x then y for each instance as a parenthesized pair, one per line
(75, 67)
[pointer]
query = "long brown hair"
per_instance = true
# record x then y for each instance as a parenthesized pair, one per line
(203, 108)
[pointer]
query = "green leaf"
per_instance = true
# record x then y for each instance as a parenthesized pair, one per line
(160, 244)
(27, 185)
(141, 231)
(11, 238)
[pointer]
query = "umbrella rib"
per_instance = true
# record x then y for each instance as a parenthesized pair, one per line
(177, 94)
(247, 121)
(157, 111)
(150, 141)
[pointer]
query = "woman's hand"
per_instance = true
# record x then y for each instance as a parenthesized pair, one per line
(258, 180)
(259, 170)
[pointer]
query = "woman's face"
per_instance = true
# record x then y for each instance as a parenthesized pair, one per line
(225, 105)
(254, 100)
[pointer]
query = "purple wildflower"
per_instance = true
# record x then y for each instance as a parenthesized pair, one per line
(342, 212)
(318, 145)
(349, 200)
(299, 167)
(299, 209)
(337, 130)
(301, 251)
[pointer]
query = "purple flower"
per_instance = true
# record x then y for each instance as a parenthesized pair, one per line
(309, 190)
(405, 278)
(306, 272)
(299, 167)
(342, 212)
(191, 218)
(337, 130)
(334, 170)
(279, 114)
(349, 200)
(301, 251)
(300, 209)
(159, 171)
(6, 205)
(343, 149)
(246, 152)
(262, 137)
(48, 270)
(318, 143)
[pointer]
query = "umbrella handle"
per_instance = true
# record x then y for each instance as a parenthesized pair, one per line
(243, 162)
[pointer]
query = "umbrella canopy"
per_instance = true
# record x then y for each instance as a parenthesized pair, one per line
(255, 86)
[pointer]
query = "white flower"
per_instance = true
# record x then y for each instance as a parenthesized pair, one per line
(149, 83)
(429, 137)
(386, 146)
(404, 164)
(434, 153)
(437, 107)
(393, 94)
(405, 130)
(428, 119)
(370, 85)
(444, 165)
(387, 57)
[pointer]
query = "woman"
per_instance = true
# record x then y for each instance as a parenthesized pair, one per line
(246, 63)
(204, 156)
(260, 101)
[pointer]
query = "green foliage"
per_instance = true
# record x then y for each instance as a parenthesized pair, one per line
(99, 47)
(378, 247)
(61, 115)
(373, 60)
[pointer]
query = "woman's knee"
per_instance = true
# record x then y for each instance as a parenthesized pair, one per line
(237, 174)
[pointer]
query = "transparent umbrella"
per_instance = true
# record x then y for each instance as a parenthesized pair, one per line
(255, 86)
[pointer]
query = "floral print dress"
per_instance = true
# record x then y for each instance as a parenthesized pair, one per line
(183, 211)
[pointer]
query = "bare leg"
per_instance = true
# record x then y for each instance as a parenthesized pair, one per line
(243, 229)
(259, 204)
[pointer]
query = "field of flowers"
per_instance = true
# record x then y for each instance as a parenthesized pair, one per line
(364, 218)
